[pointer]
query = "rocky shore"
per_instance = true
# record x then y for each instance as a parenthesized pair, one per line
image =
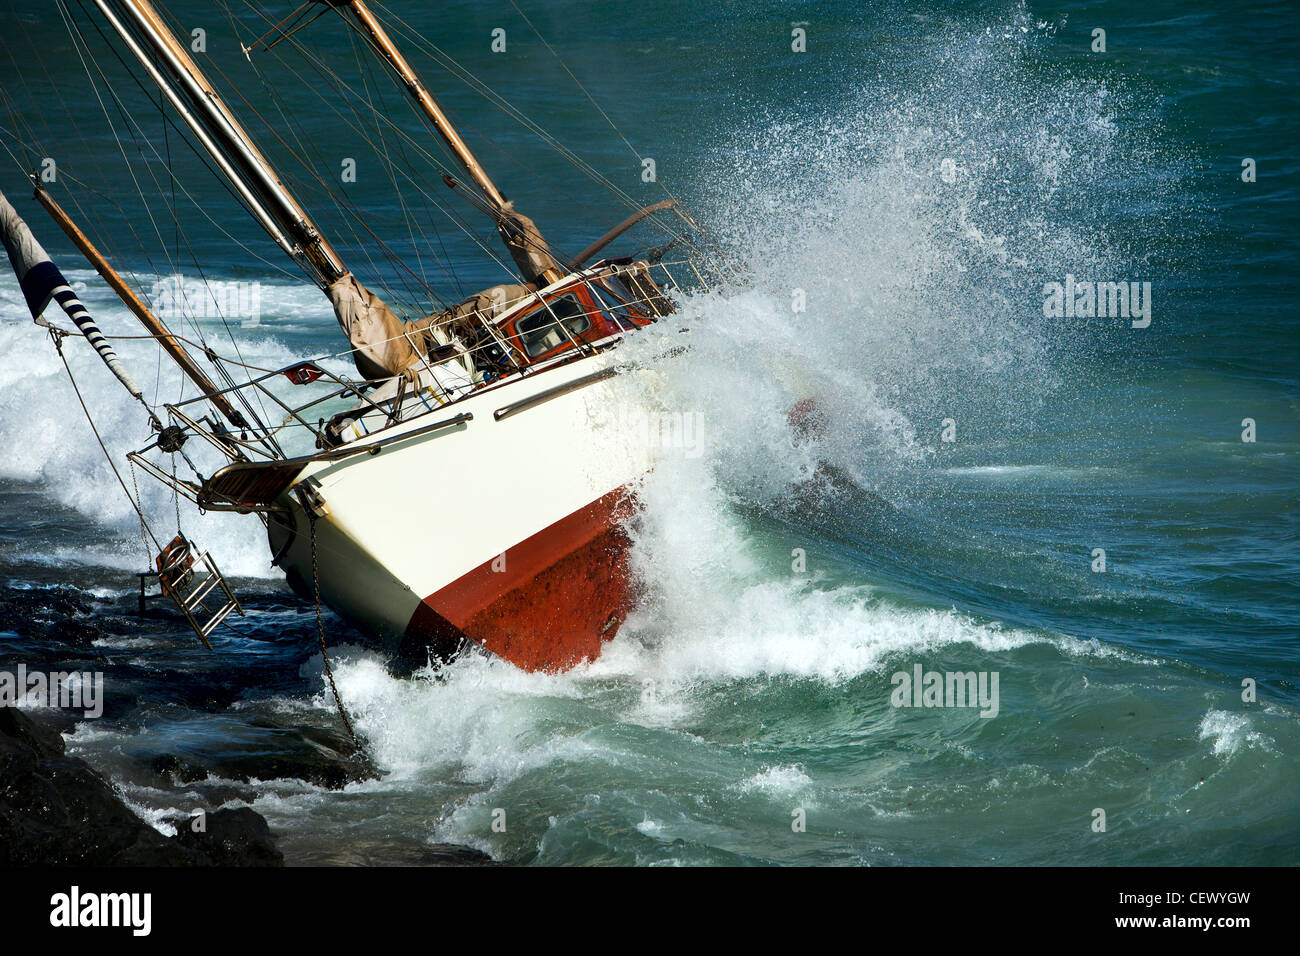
(55, 810)
(58, 810)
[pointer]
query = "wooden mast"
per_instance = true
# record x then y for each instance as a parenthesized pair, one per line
(224, 139)
(381, 42)
(141, 311)
(379, 39)
(372, 328)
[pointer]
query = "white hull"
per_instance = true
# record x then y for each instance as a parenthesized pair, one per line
(404, 525)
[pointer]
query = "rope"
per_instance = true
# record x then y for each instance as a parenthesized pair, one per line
(176, 497)
(57, 338)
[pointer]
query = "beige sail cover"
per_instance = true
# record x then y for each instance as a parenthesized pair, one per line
(375, 332)
(464, 319)
(527, 247)
(385, 346)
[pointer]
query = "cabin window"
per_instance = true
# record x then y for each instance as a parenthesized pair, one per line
(623, 316)
(541, 331)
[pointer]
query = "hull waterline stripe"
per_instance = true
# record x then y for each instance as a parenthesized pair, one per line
(546, 603)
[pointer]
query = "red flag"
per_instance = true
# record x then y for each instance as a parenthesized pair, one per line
(304, 373)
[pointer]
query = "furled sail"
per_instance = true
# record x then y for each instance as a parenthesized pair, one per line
(384, 346)
(42, 281)
(527, 247)
(466, 319)
(381, 350)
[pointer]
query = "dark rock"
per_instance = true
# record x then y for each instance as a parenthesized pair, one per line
(180, 771)
(55, 810)
(238, 837)
(73, 632)
(332, 774)
(316, 755)
(58, 601)
(450, 854)
(30, 611)
(19, 733)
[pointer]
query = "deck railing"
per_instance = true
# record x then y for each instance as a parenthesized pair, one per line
(270, 390)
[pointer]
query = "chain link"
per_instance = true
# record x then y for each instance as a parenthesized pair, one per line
(320, 630)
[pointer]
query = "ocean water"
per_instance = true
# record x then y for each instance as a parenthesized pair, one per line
(917, 177)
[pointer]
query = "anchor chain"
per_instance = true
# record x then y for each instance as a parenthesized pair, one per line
(320, 632)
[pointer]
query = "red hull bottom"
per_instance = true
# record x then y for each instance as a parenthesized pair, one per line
(548, 603)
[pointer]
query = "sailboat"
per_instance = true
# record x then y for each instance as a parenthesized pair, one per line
(509, 393)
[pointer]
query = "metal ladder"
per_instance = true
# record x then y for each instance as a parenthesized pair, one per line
(191, 581)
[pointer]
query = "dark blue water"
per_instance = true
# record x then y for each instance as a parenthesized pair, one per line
(920, 174)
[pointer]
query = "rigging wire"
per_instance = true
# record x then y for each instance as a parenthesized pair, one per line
(576, 82)
(56, 335)
(417, 40)
(136, 133)
(367, 80)
(449, 63)
(353, 216)
(357, 126)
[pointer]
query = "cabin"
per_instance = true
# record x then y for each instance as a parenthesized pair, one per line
(615, 296)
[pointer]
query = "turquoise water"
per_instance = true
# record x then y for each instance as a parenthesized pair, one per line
(921, 174)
